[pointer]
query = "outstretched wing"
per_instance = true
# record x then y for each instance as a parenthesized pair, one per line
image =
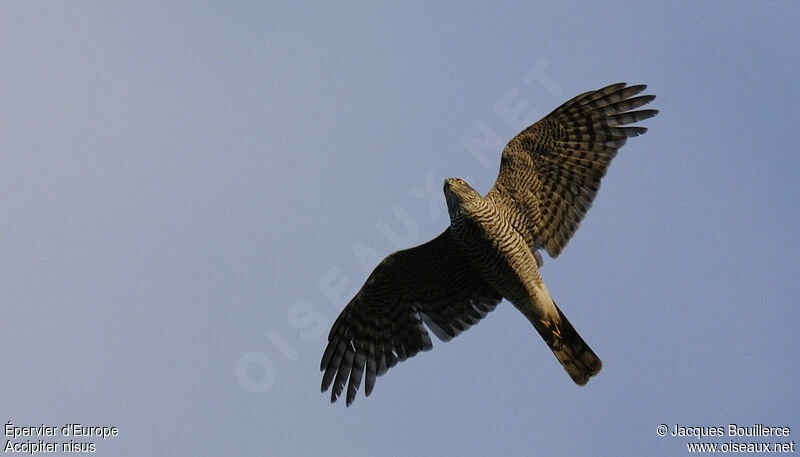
(432, 283)
(550, 172)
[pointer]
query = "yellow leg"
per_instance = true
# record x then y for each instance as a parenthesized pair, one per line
(552, 326)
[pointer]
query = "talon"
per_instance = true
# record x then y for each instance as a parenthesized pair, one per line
(552, 326)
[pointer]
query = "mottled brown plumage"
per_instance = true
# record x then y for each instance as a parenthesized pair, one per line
(549, 176)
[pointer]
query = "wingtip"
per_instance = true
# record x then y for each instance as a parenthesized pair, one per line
(637, 131)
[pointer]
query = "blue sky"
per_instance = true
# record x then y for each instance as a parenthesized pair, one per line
(192, 192)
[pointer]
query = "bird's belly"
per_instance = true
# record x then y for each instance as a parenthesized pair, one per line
(501, 256)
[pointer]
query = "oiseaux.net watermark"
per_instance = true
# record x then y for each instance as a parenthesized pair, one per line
(731, 438)
(256, 371)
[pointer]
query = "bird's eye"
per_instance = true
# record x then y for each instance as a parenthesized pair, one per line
(460, 181)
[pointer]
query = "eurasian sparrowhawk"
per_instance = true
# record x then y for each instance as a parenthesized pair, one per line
(549, 176)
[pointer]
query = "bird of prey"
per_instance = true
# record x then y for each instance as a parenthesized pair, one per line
(549, 175)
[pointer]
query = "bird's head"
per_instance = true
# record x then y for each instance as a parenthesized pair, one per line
(459, 195)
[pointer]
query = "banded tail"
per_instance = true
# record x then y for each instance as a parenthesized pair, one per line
(569, 348)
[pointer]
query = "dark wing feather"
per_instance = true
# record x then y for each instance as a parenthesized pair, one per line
(551, 171)
(432, 283)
